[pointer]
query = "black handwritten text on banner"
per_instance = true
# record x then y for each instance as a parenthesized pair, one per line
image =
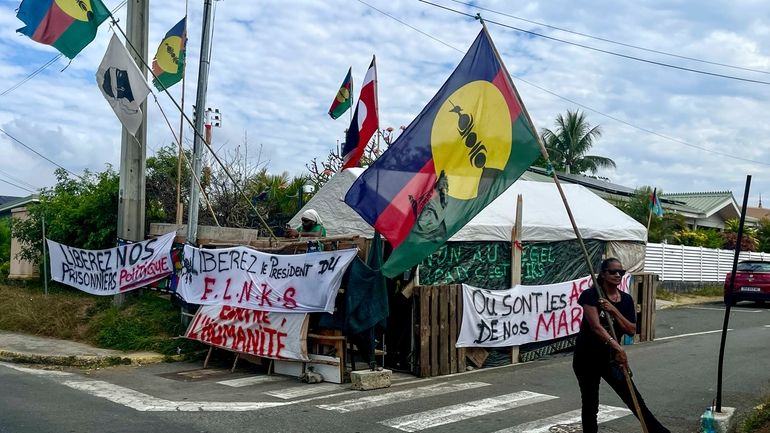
(522, 314)
(258, 333)
(243, 277)
(114, 270)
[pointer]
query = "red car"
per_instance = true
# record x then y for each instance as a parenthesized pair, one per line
(752, 282)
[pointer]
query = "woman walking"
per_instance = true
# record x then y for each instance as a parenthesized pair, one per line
(598, 355)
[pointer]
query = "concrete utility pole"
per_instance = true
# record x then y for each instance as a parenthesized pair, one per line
(133, 151)
(200, 106)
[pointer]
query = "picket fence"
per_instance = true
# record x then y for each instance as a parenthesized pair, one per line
(681, 263)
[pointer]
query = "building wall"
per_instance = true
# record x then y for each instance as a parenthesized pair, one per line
(20, 269)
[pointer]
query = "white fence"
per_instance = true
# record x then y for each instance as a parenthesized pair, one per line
(681, 263)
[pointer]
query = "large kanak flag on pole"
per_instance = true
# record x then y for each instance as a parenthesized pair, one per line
(365, 121)
(122, 84)
(467, 146)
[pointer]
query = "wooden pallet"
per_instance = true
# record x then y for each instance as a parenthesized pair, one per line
(438, 317)
(643, 291)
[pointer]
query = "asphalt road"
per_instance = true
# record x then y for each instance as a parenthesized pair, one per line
(676, 375)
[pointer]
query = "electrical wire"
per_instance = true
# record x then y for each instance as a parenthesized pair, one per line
(39, 154)
(17, 186)
(16, 179)
(623, 44)
(640, 128)
(612, 53)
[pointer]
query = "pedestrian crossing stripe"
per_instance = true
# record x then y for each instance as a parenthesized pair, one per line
(544, 425)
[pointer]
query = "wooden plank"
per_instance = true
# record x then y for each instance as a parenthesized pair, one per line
(459, 320)
(434, 371)
(452, 329)
(424, 302)
(477, 355)
(443, 330)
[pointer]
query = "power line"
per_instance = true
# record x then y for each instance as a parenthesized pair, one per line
(16, 179)
(623, 44)
(17, 186)
(640, 128)
(612, 53)
(53, 60)
(38, 153)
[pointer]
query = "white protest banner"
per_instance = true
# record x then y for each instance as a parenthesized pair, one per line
(258, 333)
(523, 314)
(114, 270)
(243, 277)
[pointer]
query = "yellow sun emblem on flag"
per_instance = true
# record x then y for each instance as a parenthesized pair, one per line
(471, 132)
(168, 54)
(81, 10)
(343, 94)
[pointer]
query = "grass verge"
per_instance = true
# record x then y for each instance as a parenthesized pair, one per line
(146, 322)
(704, 292)
(758, 421)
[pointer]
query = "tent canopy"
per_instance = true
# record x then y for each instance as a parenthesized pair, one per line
(544, 216)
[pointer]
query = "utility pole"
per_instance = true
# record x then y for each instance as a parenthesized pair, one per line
(133, 151)
(200, 104)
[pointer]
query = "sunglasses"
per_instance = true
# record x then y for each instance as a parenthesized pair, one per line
(619, 272)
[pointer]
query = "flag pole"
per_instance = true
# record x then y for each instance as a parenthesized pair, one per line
(179, 210)
(649, 217)
(544, 152)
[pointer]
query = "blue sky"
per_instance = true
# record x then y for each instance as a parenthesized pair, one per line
(276, 65)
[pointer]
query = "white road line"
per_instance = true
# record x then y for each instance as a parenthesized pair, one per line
(733, 310)
(767, 326)
(606, 413)
(36, 371)
(671, 337)
(463, 411)
(399, 396)
(305, 390)
(250, 380)
(146, 403)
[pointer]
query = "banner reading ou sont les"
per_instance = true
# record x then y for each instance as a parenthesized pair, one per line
(114, 270)
(523, 314)
(242, 277)
(258, 333)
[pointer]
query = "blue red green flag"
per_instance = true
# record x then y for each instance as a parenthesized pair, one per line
(466, 147)
(67, 25)
(168, 64)
(344, 98)
(655, 206)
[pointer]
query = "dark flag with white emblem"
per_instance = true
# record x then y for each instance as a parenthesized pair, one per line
(122, 85)
(365, 121)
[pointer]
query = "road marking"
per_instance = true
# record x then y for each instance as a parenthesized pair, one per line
(671, 337)
(146, 403)
(399, 396)
(606, 413)
(305, 390)
(767, 326)
(251, 380)
(733, 309)
(37, 371)
(463, 411)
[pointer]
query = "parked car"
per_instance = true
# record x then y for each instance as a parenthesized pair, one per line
(752, 282)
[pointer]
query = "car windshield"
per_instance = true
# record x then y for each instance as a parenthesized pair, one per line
(754, 266)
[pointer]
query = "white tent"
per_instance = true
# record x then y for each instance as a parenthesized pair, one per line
(544, 216)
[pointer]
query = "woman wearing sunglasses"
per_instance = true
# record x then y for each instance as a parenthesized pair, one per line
(598, 355)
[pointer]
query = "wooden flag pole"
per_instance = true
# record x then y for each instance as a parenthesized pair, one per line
(649, 217)
(544, 152)
(516, 251)
(179, 210)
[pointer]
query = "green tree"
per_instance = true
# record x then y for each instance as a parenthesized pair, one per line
(568, 143)
(763, 235)
(161, 183)
(80, 212)
(750, 240)
(5, 247)
(661, 228)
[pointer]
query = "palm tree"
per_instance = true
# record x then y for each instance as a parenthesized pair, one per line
(570, 141)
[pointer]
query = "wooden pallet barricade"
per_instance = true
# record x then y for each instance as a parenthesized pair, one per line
(438, 317)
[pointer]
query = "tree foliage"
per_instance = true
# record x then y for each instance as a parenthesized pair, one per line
(569, 142)
(81, 212)
(161, 184)
(661, 227)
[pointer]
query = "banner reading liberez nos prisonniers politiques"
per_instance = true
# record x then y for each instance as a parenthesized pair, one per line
(523, 314)
(114, 270)
(243, 277)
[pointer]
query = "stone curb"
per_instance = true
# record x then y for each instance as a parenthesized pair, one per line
(89, 361)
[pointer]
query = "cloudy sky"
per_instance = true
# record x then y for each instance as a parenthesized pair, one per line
(276, 66)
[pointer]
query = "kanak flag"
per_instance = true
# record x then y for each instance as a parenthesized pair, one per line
(365, 120)
(467, 146)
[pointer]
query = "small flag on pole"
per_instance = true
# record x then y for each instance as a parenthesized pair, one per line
(168, 64)
(365, 121)
(122, 85)
(69, 26)
(344, 98)
(655, 206)
(467, 146)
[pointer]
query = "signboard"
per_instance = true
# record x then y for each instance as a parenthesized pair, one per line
(258, 333)
(114, 270)
(523, 314)
(243, 277)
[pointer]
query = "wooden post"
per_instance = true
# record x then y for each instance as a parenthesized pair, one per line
(516, 250)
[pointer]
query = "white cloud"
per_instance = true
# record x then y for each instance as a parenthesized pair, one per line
(276, 66)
